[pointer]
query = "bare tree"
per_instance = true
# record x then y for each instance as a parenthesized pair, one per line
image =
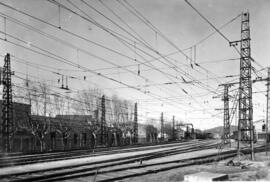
(58, 104)
(87, 101)
(39, 127)
(150, 132)
(168, 130)
(121, 110)
(64, 128)
(122, 116)
(61, 124)
(38, 97)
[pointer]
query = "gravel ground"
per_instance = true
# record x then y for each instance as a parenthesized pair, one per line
(258, 170)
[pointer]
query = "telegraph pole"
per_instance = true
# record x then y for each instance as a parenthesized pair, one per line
(267, 111)
(7, 106)
(135, 126)
(162, 127)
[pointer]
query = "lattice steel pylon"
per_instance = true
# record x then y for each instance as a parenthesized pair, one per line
(245, 122)
(162, 127)
(103, 121)
(226, 126)
(7, 107)
(135, 124)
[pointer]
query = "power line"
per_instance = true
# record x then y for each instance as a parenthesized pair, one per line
(17, 39)
(217, 30)
(111, 34)
(102, 28)
(147, 22)
(136, 13)
(220, 32)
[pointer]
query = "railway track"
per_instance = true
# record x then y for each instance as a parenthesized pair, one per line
(109, 168)
(106, 175)
(65, 155)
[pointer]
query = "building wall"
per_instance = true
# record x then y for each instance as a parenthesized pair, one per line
(83, 132)
(21, 113)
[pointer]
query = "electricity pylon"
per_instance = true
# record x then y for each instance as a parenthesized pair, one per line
(135, 126)
(245, 121)
(7, 107)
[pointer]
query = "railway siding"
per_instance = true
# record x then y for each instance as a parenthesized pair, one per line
(96, 160)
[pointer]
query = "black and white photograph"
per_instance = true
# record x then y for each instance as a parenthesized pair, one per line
(134, 90)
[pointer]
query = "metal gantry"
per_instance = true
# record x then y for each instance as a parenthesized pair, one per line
(7, 106)
(135, 126)
(245, 122)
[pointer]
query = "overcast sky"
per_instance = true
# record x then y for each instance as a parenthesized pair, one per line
(97, 47)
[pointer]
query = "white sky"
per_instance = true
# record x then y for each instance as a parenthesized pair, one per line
(175, 19)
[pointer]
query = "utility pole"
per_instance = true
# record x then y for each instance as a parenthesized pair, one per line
(135, 126)
(226, 126)
(267, 111)
(7, 105)
(173, 129)
(103, 121)
(245, 121)
(162, 127)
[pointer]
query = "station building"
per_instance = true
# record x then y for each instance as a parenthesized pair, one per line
(33, 133)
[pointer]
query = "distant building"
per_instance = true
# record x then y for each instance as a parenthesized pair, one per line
(147, 133)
